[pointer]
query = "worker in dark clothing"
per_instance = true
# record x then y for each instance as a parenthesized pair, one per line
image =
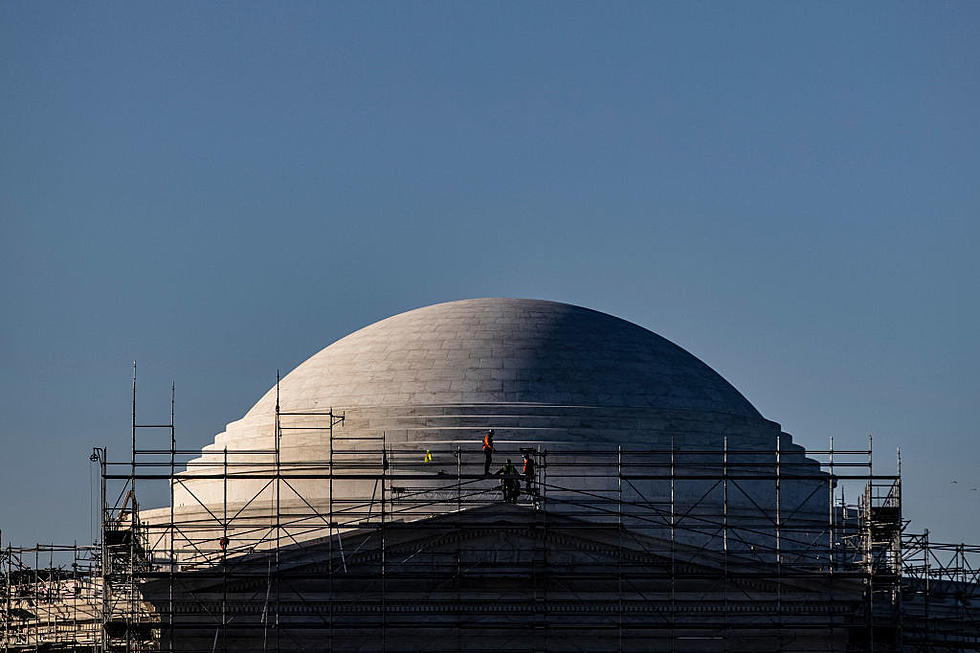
(487, 451)
(528, 472)
(510, 483)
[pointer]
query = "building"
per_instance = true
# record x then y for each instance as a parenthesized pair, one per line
(549, 377)
(349, 510)
(622, 423)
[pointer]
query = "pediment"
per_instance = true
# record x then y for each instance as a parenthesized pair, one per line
(497, 539)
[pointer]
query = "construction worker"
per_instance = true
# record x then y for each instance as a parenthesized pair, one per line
(528, 471)
(510, 485)
(487, 451)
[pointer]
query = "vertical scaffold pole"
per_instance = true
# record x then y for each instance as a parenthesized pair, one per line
(37, 596)
(330, 532)
(9, 590)
(925, 580)
(131, 562)
(619, 568)
(724, 527)
(384, 580)
(779, 546)
(132, 464)
(868, 548)
(459, 550)
(897, 553)
(173, 559)
(830, 516)
(224, 552)
(277, 508)
(673, 548)
(103, 548)
(545, 526)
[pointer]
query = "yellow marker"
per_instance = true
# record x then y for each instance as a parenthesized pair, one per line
(428, 456)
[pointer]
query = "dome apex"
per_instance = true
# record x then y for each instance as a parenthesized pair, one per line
(503, 350)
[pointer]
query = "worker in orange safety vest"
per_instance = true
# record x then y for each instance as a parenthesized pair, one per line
(487, 451)
(528, 471)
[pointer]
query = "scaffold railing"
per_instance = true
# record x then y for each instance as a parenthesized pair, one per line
(388, 537)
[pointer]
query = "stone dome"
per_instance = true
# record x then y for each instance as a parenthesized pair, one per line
(496, 351)
(618, 419)
(418, 390)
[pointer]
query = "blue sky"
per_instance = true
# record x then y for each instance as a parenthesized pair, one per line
(218, 190)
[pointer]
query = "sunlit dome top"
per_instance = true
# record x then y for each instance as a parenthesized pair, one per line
(494, 351)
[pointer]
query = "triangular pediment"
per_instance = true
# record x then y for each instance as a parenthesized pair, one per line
(498, 539)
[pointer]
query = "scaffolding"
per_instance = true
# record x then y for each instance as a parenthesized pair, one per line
(381, 546)
(51, 598)
(941, 594)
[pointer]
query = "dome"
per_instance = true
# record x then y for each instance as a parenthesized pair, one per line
(624, 428)
(418, 390)
(491, 351)
(541, 370)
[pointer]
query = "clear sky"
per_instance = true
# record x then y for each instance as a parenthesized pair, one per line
(789, 190)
